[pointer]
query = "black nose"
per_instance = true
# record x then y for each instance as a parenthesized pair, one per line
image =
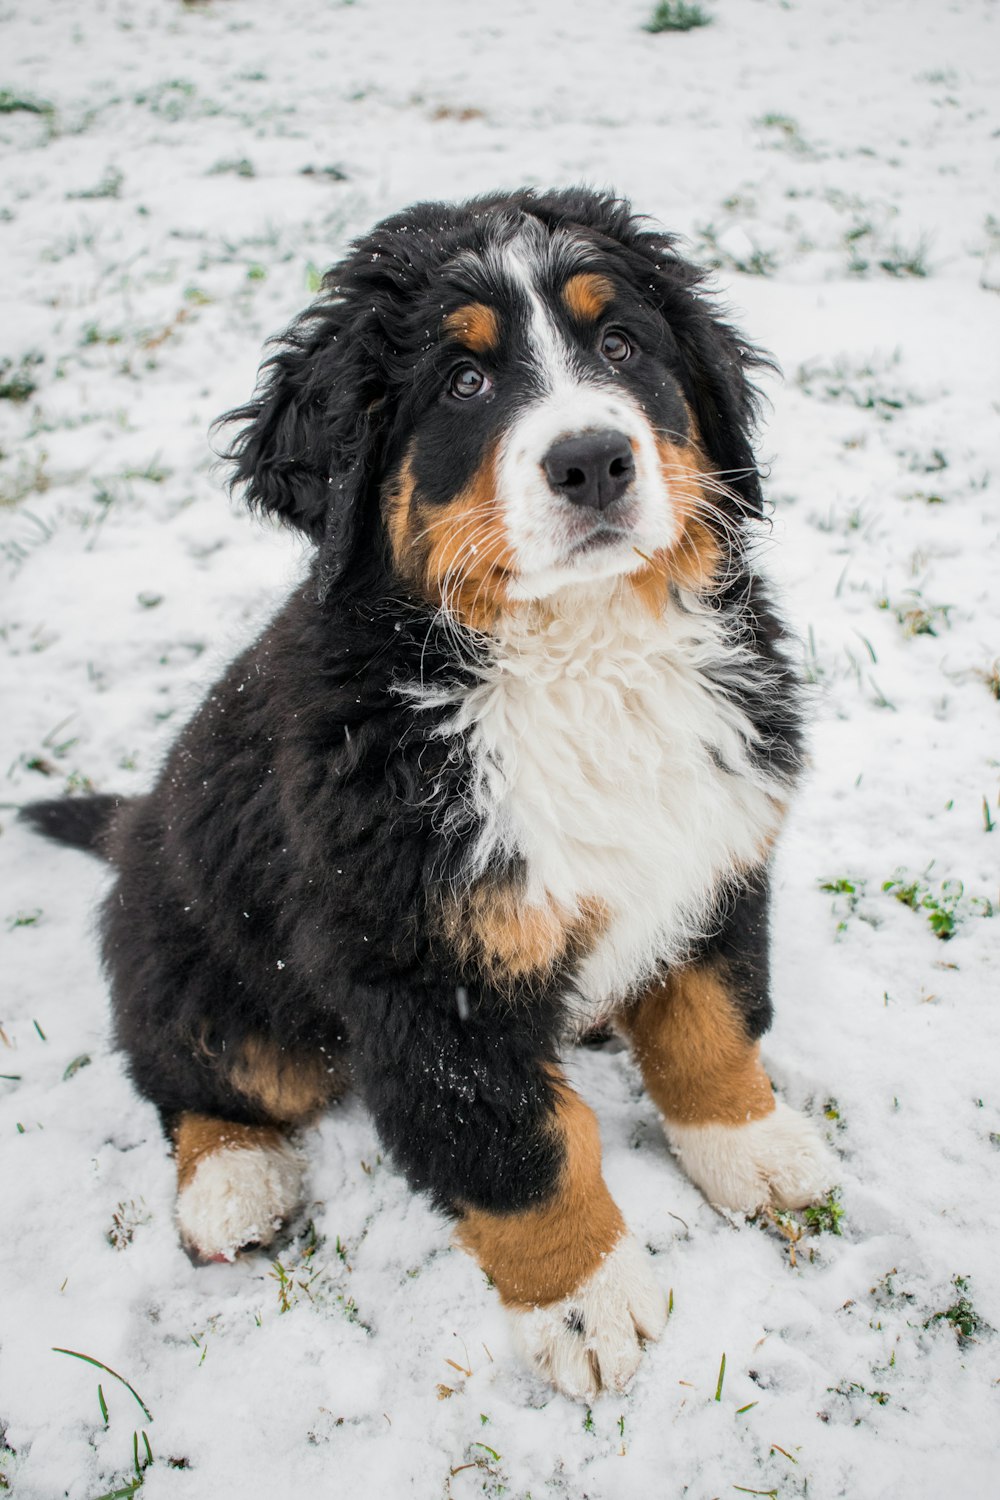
(590, 468)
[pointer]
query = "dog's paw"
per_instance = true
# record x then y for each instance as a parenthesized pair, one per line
(238, 1197)
(777, 1162)
(591, 1341)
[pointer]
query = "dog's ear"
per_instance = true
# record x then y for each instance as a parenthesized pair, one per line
(307, 449)
(716, 373)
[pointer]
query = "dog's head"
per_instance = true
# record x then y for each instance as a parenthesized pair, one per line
(505, 397)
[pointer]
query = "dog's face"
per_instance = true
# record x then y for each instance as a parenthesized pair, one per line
(505, 398)
(550, 442)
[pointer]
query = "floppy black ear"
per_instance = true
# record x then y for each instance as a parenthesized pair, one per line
(307, 452)
(716, 369)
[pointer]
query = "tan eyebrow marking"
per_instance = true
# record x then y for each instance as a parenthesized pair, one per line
(476, 325)
(587, 295)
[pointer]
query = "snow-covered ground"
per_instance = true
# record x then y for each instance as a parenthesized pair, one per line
(167, 201)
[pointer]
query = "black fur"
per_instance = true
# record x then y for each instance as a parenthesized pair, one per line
(277, 880)
(275, 884)
(82, 822)
(741, 947)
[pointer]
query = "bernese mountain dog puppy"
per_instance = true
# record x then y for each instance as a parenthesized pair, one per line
(509, 764)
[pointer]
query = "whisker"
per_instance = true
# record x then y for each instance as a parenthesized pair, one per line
(451, 579)
(475, 599)
(724, 531)
(467, 518)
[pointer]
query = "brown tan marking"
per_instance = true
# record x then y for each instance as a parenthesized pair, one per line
(458, 554)
(199, 1136)
(397, 504)
(697, 1063)
(587, 295)
(544, 1254)
(493, 927)
(476, 325)
(695, 559)
(289, 1087)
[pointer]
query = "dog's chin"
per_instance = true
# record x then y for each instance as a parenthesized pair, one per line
(605, 553)
(604, 538)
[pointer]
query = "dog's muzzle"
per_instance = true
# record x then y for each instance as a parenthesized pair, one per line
(592, 469)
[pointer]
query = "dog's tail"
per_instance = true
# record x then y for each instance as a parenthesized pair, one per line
(83, 822)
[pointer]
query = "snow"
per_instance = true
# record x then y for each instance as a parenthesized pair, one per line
(808, 146)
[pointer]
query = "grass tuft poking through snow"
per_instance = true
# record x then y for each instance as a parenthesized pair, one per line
(677, 15)
(962, 1316)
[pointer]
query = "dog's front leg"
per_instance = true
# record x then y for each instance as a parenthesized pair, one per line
(696, 1036)
(505, 1144)
(579, 1287)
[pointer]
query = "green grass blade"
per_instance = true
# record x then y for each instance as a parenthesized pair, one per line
(99, 1365)
(722, 1376)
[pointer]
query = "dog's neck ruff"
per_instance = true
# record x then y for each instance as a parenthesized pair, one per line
(611, 754)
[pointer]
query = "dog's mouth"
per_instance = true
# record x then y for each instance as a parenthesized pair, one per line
(601, 539)
(604, 533)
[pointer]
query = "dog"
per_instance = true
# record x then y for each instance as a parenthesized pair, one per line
(508, 765)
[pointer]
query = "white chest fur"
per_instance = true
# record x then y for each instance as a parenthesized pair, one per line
(609, 759)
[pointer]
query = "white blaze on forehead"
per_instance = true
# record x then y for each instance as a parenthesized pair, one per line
(553, 364)
(568, 397)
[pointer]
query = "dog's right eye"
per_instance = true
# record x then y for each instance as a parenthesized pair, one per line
(615, 346)
(468, 382)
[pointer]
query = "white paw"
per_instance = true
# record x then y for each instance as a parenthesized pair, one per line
(591, 1341)
(239, 1197)
(778, 1162)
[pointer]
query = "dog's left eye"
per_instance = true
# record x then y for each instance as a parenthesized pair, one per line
(615, 346)
(468, 382)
